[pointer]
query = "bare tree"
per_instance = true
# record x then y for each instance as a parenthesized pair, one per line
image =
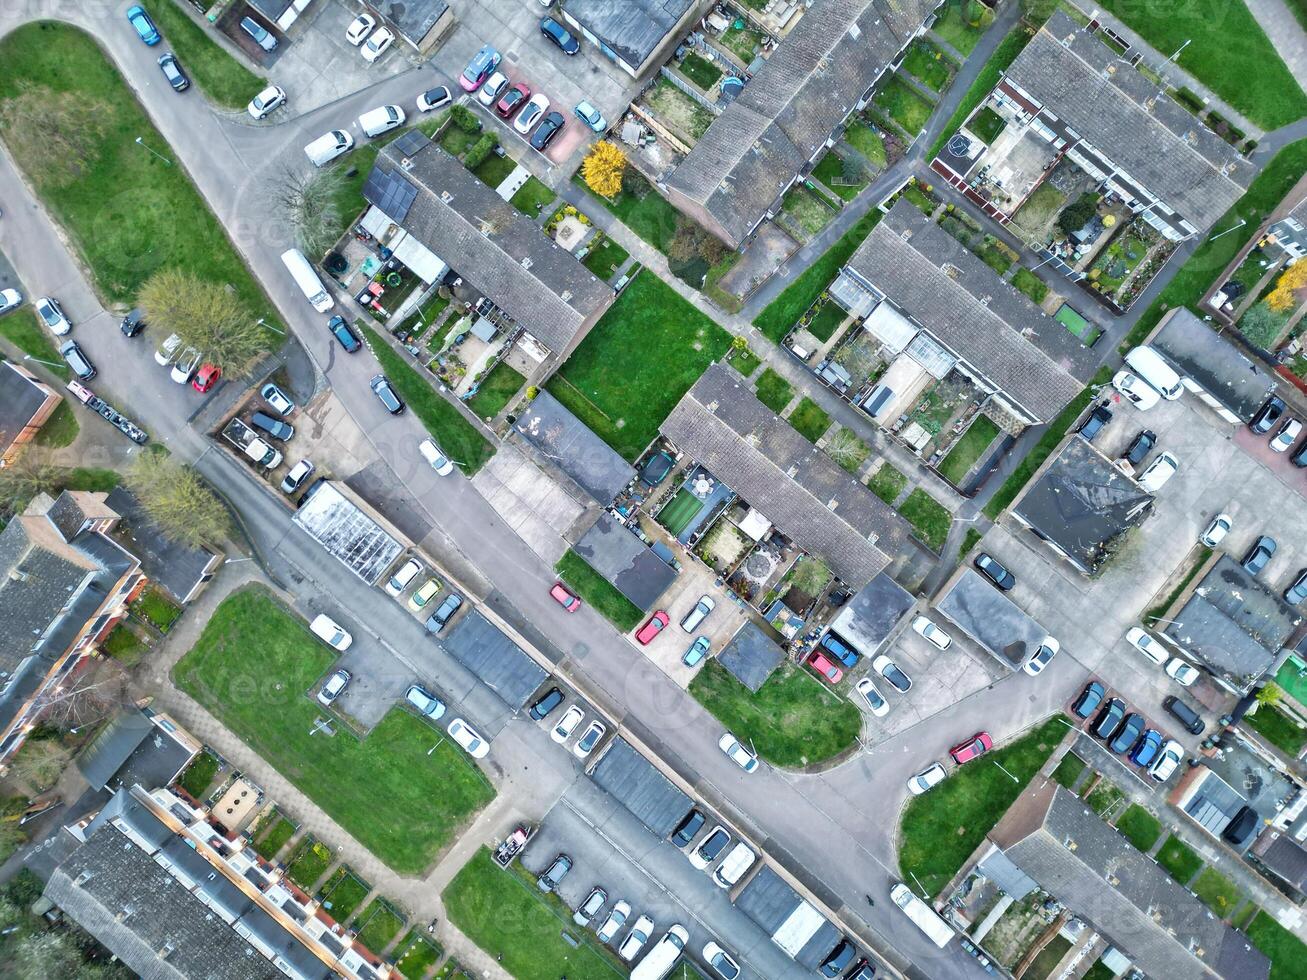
(846, 449)
(311, 202)
(207, 316)
(39, 763)
(178, 500)
(88, 696)
(23, 479)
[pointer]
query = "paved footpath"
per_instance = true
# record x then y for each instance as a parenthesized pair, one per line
(1286, 34)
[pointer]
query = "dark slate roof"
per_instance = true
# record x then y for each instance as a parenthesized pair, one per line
(1083, 504)
(636, 783)
(871, 615)
(1284, 856)
(272, 9)
(347, 533)
(1220, 368)
(111, 747)
(1146, 134)
(991, 618)
(1097, 873)
(751, 655)
(1235, 623)
(634, 29)
(796, 486)
(928, 275)
(495, 248)
(177, 567)
(624, 560)
(34, 586)
(769, 900)
(412, 18)
(20, 400)
(501, 664)
(133, 750)
(785, 114)
(572, 446)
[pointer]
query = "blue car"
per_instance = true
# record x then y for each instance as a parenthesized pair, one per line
(698, 649)
(833, 643)
(341, 331)
(145, 28)
(1146, 752)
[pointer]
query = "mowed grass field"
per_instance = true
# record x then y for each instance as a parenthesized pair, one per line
(254, 666)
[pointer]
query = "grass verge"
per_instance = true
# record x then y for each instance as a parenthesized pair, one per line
(1159, 610)
(929, 518)
(999, 62)
(1278, 728)
(1140, 827)
(59, 430)
(22, 329)
(1178, 860)
(598, 592)
(218, 75)
(1287, 952)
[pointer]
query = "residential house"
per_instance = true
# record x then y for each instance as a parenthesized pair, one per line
(179, 569)
(1289, 233)
(635, 34)
(421, 24)
(26, 402)
(796, 105)
(1212, 366)
(434, 206)
(137, 746)
(1284, 857)
(64, 584)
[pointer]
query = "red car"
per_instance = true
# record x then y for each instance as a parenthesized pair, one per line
(657, 623)
(512, 100)
(564, 598)
(829, 672)
(206, 378)
(977, 745)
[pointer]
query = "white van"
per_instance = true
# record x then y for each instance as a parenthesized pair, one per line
(737, 863)
(658, 962)
(307, 280)
(328, 146)
(1148, 364)
(263, 454)
(380, 120)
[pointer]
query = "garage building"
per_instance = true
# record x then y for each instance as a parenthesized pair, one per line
(501, 664)
(638, 785)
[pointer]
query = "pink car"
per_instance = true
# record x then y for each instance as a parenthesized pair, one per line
(657, 623)
(977, 745)
(564, 598)
(829, 672)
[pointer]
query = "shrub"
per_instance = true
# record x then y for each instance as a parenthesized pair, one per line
(1261, 325)
(464, 118)
(1077, 214)
(481, 149)
(602, 169)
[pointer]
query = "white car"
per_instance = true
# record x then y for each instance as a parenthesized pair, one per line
(925, 779)
(424, 595)
(331, 633)
(1167, 762)
(168, 350)
(531, 113)
(52, 315)
(266, 101)
(1159, 472)
(1135, 389)
(567, 724)
(328, 147)
(875, 701)
(612, 925)
(334, 687)
(406, 573)
(1046, 652)
(297, 476)
(434, 98)
(377, 44)
(589, 739)
(186, 365)
(1287, 435)
(359, 29)
(428, 705)
(438, 460)
(10, 299)
(1217, 530)
(635, 940)
(1182, 672)
(277, 399)
(1147, 644)
(935, 636)
(737, 753)
(492, 89)
(468, 738)
(381, 120)
(722, 962)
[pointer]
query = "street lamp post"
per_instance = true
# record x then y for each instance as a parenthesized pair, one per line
(140, 141)
(53, 364)
(1242, 222)
(1005, 772)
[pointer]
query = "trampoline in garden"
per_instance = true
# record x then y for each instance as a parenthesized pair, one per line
(680, 511)
(1077, 324)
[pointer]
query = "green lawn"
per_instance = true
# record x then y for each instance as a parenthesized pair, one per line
(198, 776)
(1287, 952)
(1030, 284)
(253, 667)
(637, 362)
(217, 74)
(344, 892)
(1226, 49)
(904, 105)
(700, 70)
(793, 720)
(987, 124)
(807, 213)
(59, 430)
(929, 517)
(1099, 971)
(458, 437)
(496, 391)
(866, 141)
(956, 31)
(941, 828)
(1178, 859)
(1140, 827)
(988, 77)
(310, 862)
(1069, 768)
(533, 197)
(156, 609)
(743, 360)
(887, 483)
(830, 171)
(969, 541)
(927, 63)
(22, 329)
(647, 214)
(276, 838)
(378, 924)
(509, 918)
(123, 645)
(827, 321)
(1277, 728)
(996, 256)
(1105, 798)
(1049, 957)
(596, 590)
(967, 450)
(419, 954)
(784, 311)
(605, 258)
(809, 419)
(494, 169)
(1217, 892)
(773, 390)
(127, 212)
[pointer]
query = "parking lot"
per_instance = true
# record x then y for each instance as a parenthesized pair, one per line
(667, 649)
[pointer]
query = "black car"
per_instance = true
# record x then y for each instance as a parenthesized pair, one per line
(711, 847)
(1127, 734)
(1090, 698)
(861, 970)
(687, 828)
(1242, 828)
(1184, 714)
(172, 70)
(837, 959)
(656, 468)
(544, 707)
(276, 428)
(1093, 425)
(132, 324)
(341, 331)
(1299, 457)
(1259, 555)
(1108, 719)
(381, 387)
(441, 617)
(1267, 415)
(1297, 592)
(549, 127)
(996, 573)
(1143, 445)
(560, 35)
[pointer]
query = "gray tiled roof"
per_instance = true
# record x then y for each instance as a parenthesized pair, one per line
(632, 28)
(751, 655)
(788, 109)
(1117, 110)
(1097, 873)
(493, 246)
(790, 481)
(1198, 352)
(177, 567)
(633, 568)
(928, 275)
(20, 400)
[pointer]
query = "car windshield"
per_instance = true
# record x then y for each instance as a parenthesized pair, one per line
(896, 676)
(873, 696)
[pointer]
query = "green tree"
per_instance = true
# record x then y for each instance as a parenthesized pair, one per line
(310, 200)
(177, 500)
(206, 315)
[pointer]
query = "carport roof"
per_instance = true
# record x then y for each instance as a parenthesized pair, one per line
(347, 533)
(135, 749)
(1197, 351)
(412, 18)
(625, 561)
(871, 615)
(991, 618)
(572, 445)
(636, 783)
(502, 665)
(772, 903)
(634, 29)
(751, 655)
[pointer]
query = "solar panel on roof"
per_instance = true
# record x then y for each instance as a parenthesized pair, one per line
(390, 192)
(411, 142)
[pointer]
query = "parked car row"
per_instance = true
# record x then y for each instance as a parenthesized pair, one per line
(591, 735)
(1287, 429)
(432, 708)
(964, 752)
(408, 572)
(1126, 733)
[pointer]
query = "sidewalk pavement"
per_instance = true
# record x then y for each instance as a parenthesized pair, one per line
(1286, 34)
